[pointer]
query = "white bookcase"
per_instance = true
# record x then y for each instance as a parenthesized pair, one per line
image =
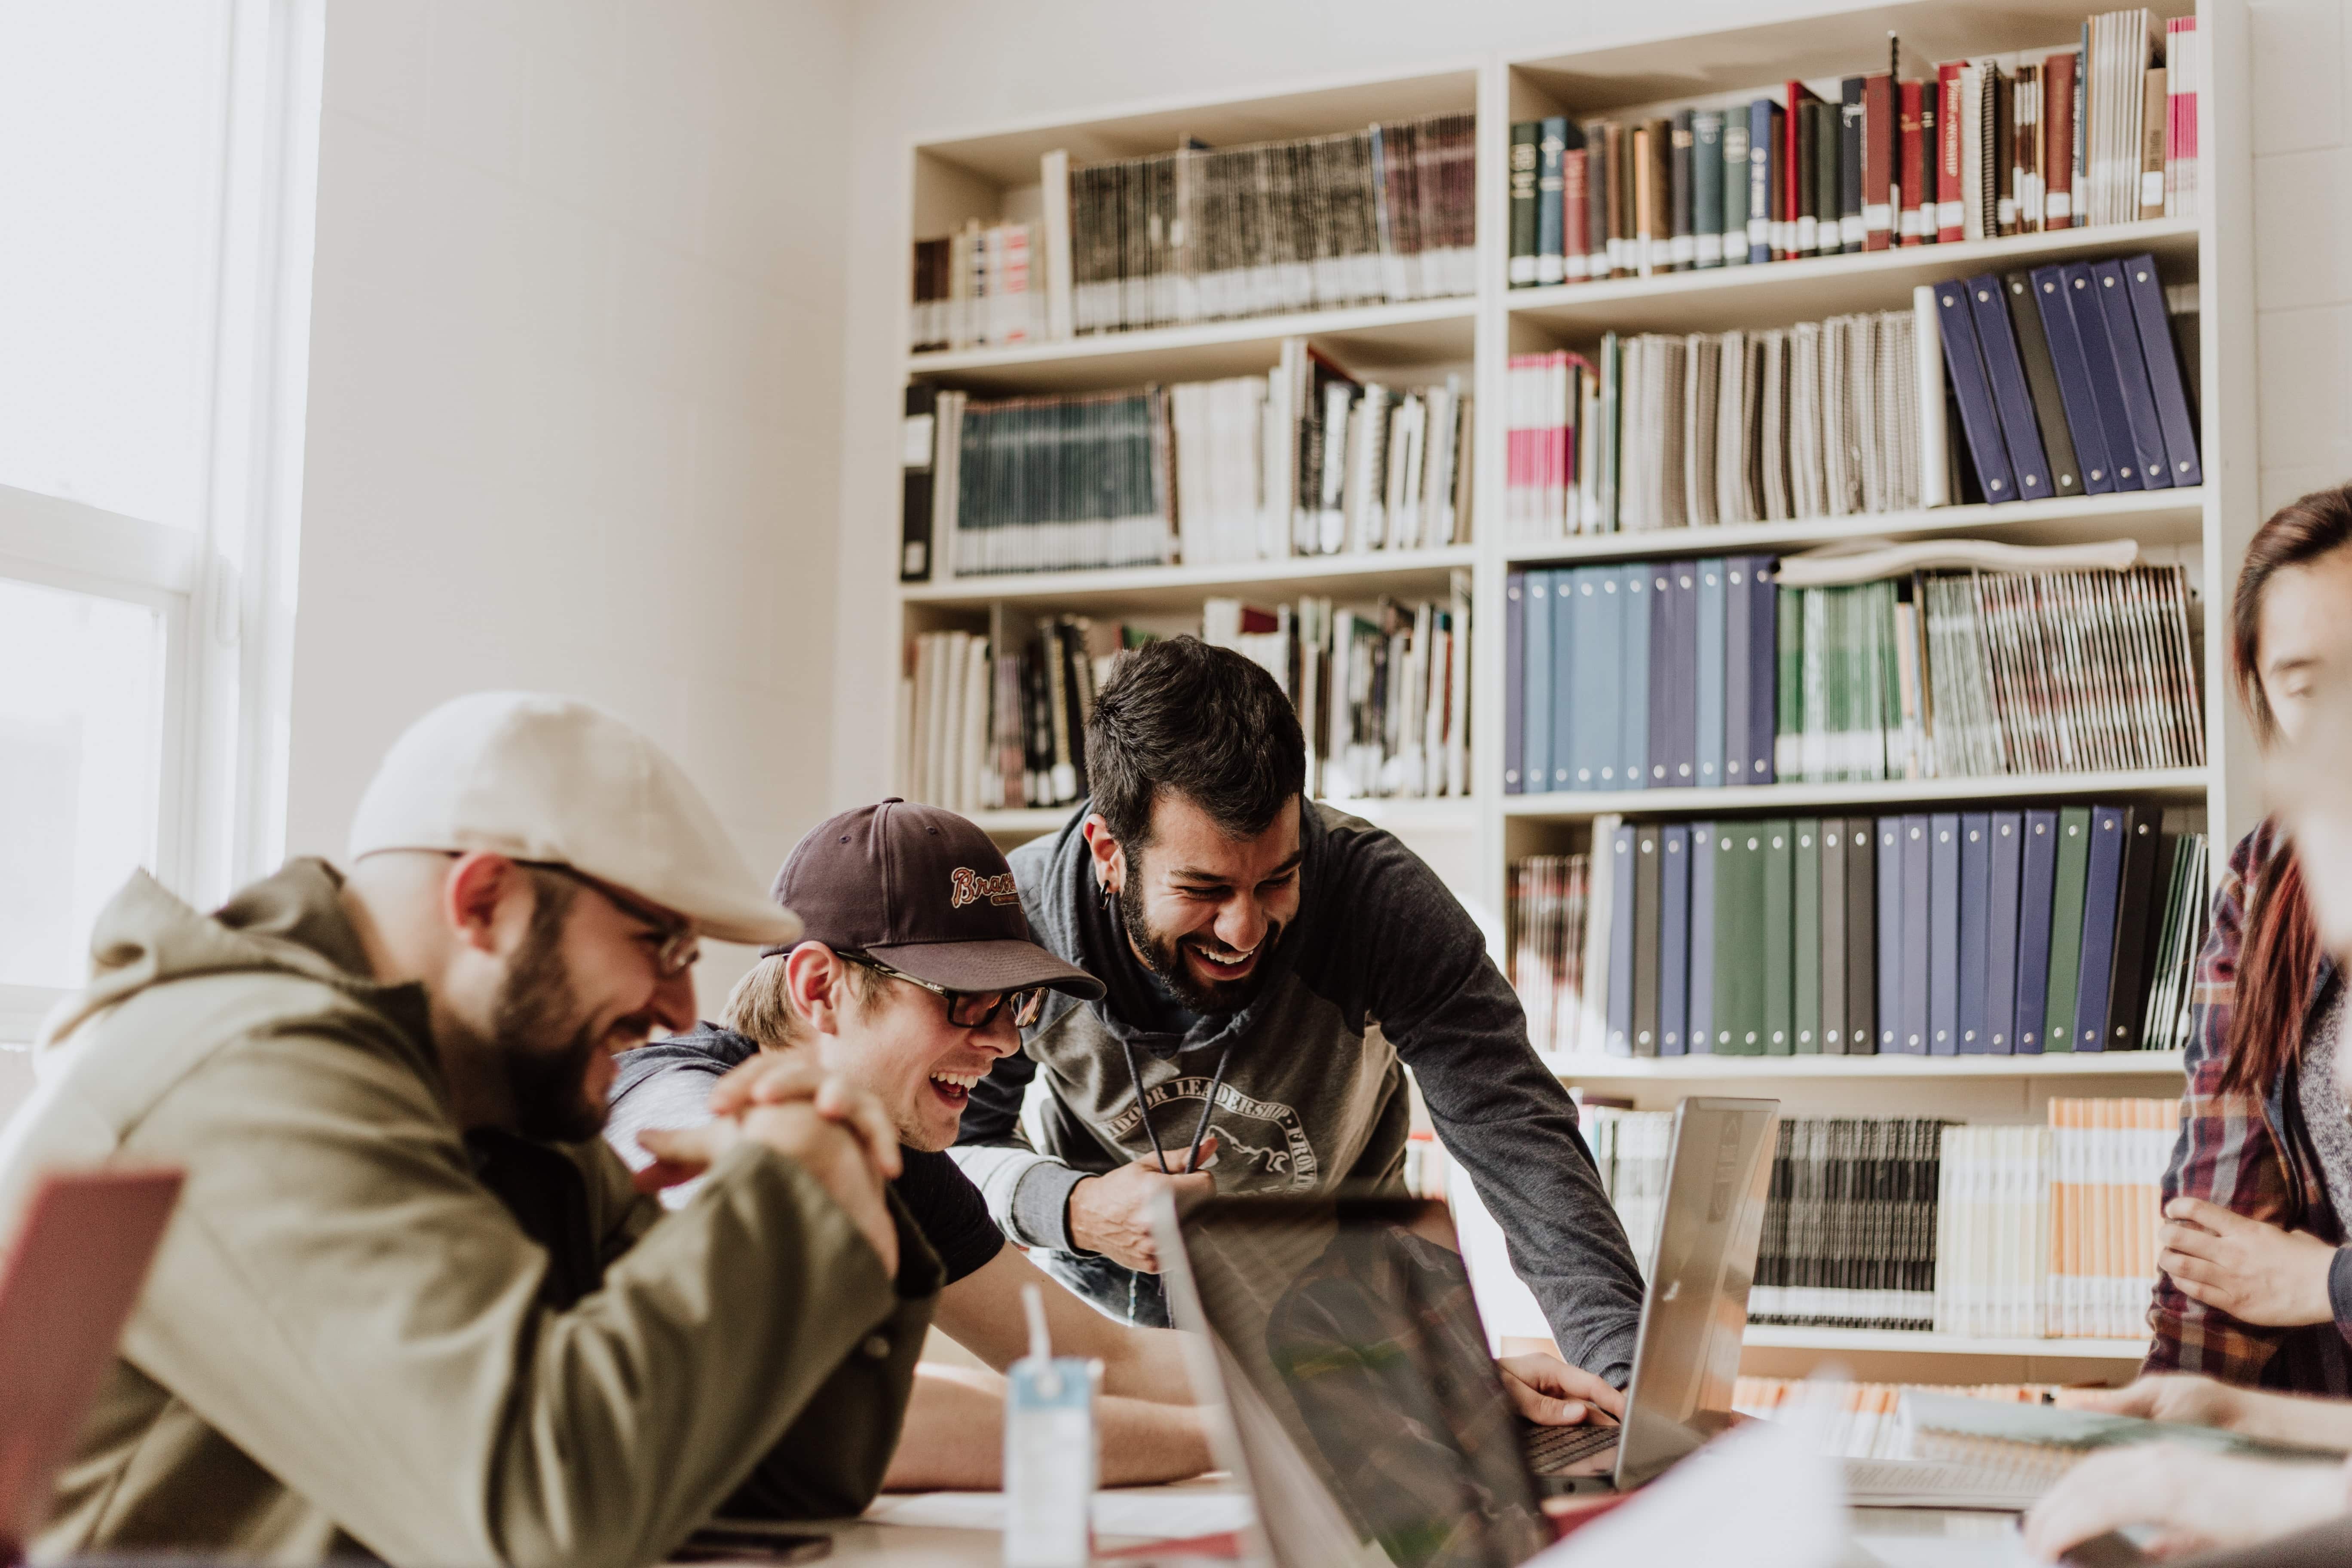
(1471, 841)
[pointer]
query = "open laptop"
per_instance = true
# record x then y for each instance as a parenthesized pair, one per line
(1362, 1404)
(68, 1283)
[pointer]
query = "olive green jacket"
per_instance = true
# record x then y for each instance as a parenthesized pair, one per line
(347, 1342)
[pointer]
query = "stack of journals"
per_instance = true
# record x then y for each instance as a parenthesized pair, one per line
(985, 726)
(1304, 460)
(2102, 133)
(1850, 1230)
(978, 288)
(1383, 699)
(1821, 419)
(1547, 913)
(2051, 1230)
(1998, 932)
(1863, 1418)
(1699, 673)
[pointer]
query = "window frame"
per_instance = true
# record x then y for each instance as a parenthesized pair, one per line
(225, 587)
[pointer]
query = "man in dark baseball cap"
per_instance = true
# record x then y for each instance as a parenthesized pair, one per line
(914, 974)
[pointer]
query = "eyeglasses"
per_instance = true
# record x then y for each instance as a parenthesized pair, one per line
(967, 1009)
(680, 947)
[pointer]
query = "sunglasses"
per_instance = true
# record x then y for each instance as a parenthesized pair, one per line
(967, 1009)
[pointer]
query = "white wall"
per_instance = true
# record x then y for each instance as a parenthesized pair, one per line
(575, 367)
(927, 67)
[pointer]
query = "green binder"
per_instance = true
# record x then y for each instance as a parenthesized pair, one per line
(1738, 938)
(1805, 930)
(1776, 948)
(2066, 928)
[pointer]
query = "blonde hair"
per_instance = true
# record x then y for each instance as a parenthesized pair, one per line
(760, 1007)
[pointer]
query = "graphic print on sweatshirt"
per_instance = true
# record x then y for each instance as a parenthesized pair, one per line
(1262, 1145)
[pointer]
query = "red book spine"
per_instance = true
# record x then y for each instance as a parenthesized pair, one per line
(1877, 161)
(1908, 164)
(1576, 196)
(1947, 159)
(2058, 140)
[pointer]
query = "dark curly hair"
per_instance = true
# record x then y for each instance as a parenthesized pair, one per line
(1203, 722)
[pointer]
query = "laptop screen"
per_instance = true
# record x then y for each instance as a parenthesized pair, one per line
(1352, 1354)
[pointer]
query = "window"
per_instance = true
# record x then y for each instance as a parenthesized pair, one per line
(154, 296)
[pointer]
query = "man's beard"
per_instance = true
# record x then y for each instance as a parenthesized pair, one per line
(547, 1083)
(1160, 956)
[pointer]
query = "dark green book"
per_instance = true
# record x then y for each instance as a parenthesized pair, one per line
(1805, 931)
(1523, 203)
(1738, 969)
(1828, 197)
(2066, 928)
(1777, 949)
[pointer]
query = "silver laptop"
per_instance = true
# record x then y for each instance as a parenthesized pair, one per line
(1362, 1406)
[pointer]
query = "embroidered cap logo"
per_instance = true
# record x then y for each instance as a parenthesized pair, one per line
(970, 887)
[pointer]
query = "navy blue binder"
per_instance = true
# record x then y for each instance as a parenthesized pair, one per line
(2101, 887)
(1698, 1026)
(1536, 712)
(1515, 680)
(2106, 386)
(1763, 151)
(1979, 421)
(1943, 934)
(2164, 379)
(2001, 945)
(2012, 400)
(1623, 916)
(1570, 676)
(1919, 946)
(1710, 673)
(2053, 300)
(1633, 677)
(1674, 939)
(2131, 371)
(1763, 664)
(1890, 934)
(2037, 882)
(1737, 648)
(1976, 866)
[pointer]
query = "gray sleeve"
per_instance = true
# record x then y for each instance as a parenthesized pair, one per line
(1028, 1194)
(676, 1096)
(1419, 962)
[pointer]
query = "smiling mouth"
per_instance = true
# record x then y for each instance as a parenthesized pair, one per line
(955, 1088)
(1223, 962)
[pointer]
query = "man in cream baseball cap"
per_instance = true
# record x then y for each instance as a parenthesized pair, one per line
(411, 1306)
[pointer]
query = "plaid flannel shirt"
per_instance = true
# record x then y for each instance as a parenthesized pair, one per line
(2249, 1153)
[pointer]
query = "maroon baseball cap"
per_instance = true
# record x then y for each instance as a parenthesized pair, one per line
(925, 891)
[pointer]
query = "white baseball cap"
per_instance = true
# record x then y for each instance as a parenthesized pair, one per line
(553, 779)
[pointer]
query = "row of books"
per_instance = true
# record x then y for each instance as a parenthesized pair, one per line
(1863, 1420)
(1305, 460)
(1700, 674)
(1966, 675)
(2103, 133)
(991, 723)
(1384, 698)
(1204, 234)
(2052, 1229)
(2002, 932)
(974, 289)
(1849, 1226)
(1821, 419)
(1630, 1150)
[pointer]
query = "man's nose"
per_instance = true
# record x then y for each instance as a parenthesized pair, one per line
(674, 1002)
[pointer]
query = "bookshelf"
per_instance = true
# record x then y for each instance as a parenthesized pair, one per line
(990, 172)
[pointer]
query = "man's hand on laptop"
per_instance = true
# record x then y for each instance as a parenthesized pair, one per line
(1112, 1213)
(1550, 1392)
(838, 1133)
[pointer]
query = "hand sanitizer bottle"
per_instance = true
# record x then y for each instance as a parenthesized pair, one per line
(1049, 1452)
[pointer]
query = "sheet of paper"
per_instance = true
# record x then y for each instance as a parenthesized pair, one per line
(1152, 1513)
(1760, 1497)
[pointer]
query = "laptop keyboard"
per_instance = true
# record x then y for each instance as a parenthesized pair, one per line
(1551, 1450)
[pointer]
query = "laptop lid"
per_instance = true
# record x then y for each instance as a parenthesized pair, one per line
(68, 1283)
(1361, 1404)
(1695, 1311)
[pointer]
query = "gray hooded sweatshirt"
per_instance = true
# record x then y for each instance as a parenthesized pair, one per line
(1380, 970)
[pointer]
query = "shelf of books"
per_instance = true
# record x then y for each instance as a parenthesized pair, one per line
(1749, 508)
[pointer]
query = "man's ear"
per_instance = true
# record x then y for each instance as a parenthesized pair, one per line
(1110, 857)
(816, 986)
(483, 893)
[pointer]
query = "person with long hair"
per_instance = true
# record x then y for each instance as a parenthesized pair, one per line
(2256, 1286)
